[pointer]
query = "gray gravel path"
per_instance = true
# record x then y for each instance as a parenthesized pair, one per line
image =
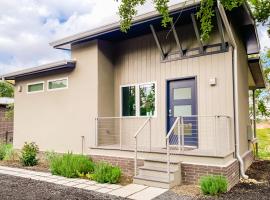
(16, 188)
(173, 196)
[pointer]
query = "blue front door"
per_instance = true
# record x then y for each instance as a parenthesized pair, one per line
(182, 101)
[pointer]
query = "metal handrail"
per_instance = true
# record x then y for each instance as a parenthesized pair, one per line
(168, 146)
(136, 141)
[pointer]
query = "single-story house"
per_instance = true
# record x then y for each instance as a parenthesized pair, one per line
(160, 103)
(6, 124)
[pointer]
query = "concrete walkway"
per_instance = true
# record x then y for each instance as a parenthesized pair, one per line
(131, 191)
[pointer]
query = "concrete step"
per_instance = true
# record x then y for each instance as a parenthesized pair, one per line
(162, 164)
(158, 172)
(153, 181)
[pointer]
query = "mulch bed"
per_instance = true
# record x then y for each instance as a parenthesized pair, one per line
(41, 167)
(256, 188)
(15, 188)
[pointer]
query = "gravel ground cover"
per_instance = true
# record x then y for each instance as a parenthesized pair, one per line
(15, 188)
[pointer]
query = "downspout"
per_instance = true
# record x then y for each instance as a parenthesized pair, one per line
(235, 77)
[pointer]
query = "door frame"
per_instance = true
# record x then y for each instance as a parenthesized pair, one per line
(167, 97)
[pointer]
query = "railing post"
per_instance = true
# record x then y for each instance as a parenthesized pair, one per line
(215, 134)
(168, 158)
(120, 133)
(179, 136)
(150, 134)
(135, 161)
(183, 134)
(96, 131)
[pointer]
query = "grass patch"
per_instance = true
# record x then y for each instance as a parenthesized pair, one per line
(70, 165)
(263, 136)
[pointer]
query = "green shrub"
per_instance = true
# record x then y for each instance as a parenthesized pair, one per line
(5, 151)
(213, 185)
(29, 154)
(70, 165)
(106, 173)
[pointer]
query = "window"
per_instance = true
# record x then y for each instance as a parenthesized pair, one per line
(58, 84)
(128, 101)
(147, 99)
(35, 87)
(139, 100)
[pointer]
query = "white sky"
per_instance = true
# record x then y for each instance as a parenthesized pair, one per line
(27, 27)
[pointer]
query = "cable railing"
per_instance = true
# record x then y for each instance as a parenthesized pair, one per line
(189, 135)
(201, 135)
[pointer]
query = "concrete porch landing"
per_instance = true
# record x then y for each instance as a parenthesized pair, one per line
(131, 191)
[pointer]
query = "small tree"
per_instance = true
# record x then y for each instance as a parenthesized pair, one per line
(6, 89)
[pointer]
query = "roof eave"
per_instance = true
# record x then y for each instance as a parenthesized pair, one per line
(51, 67)
(116, 26)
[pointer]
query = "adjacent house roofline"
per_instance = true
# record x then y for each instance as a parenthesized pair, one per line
(60, 66)
(60, 44)
(6, 100)
(257, 72)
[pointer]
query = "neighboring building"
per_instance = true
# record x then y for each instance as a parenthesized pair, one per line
(99, 100)
(6, 124)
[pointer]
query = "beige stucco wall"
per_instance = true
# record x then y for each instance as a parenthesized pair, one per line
(56, 120)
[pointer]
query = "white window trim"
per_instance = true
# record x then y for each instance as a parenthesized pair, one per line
(137, 99)
(57, 79)
(34, 83)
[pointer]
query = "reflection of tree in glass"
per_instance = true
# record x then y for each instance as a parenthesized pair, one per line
(131, 101)
(147, 100)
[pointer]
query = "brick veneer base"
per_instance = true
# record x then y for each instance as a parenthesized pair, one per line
(191, 173)
(126, 164)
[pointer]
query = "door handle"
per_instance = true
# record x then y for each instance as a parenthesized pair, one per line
(170, 113)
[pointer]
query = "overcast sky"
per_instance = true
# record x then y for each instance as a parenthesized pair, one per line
(27, 27)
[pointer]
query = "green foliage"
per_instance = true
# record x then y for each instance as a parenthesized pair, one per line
(5, 151)
(231, 4)
(127, 11)
(263, 136)
(205, 15)
(70, 165)
(106, 173)
(261, 9)
(213, 185)
(10, 111)
(29, 154)
(6, 89)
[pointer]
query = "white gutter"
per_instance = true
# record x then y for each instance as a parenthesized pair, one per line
(235, 70)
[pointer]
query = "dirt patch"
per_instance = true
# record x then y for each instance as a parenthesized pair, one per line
(187, 190)
(16, 188)
(41, 167)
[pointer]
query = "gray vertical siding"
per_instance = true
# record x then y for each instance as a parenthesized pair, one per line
(138, 61)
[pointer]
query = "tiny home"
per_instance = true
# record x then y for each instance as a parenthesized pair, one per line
(160, 103)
